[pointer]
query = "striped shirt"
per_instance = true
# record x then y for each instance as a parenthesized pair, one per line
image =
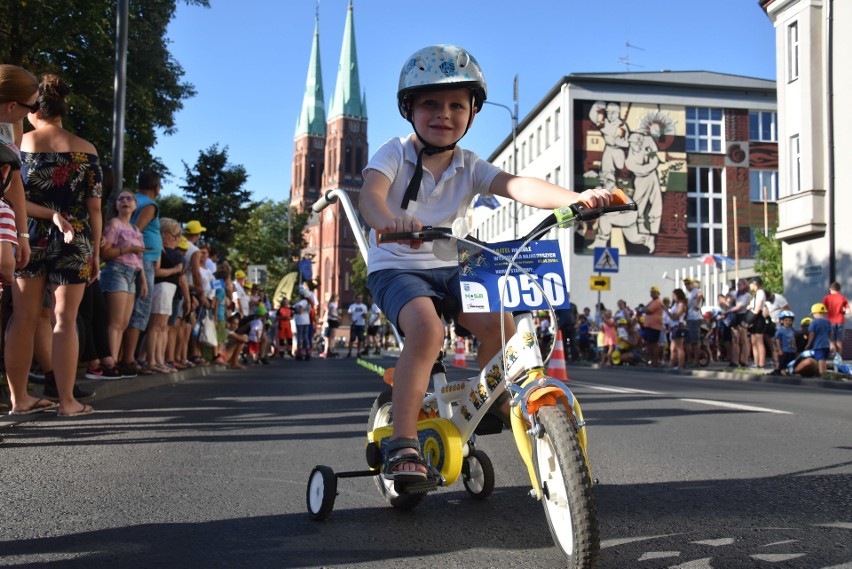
(8, 229)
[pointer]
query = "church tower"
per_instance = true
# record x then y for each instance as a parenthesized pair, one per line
(330, 237)
(309, 143)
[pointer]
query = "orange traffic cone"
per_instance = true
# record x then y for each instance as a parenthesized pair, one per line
(460, 360)
(556, 367)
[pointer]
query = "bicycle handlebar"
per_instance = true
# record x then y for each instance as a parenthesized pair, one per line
(580, 211)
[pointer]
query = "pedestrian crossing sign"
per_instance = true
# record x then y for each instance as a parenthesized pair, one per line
(606, 260)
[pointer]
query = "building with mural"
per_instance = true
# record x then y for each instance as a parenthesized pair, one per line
(330, 153)
(698, 153)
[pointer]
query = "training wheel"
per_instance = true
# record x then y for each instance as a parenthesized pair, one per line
(322, 490)
(478, 475)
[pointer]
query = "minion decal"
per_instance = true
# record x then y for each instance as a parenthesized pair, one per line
(493, 376)
(511, 355)
(529, 339)
(465, 413)
(483, 392)
(475, 399)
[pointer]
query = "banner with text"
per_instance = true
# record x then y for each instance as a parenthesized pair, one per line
(484, 278)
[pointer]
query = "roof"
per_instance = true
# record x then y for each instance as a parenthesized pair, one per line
(347, 99)
(312, 118)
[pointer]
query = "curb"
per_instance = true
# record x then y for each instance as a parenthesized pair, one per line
(109, 388)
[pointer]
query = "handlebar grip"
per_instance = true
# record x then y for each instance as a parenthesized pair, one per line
(618, 198)
(388, 236)
(323, 202)
(428, 233)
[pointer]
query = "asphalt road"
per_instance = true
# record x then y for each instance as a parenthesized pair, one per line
(212, 472)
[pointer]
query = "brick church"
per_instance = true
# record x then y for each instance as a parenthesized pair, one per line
(330, 151)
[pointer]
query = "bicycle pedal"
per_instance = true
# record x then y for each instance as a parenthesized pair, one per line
(427, 485)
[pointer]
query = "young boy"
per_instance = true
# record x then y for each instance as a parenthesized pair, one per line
(234, 342)
(425, 180)
(818, 336)
(785, 342)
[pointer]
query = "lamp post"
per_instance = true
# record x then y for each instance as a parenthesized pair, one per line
(514, 115)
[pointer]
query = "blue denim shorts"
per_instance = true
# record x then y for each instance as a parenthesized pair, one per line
(142, 306)
(394, 288)
(835, 332)
(118, 277)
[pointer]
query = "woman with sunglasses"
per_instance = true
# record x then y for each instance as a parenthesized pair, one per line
(122, 249)
(62, 180)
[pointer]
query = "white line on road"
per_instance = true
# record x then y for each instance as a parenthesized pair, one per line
(710, 402)
(736, 406)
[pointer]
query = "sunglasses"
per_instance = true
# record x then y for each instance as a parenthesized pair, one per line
(33, 108)
(125, 199)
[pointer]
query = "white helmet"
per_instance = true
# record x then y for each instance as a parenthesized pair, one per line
(437, 67)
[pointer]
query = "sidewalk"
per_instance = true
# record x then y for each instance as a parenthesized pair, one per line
(109, 388)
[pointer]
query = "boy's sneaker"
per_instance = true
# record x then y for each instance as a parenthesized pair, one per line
(97, 373)
(111, 373)
(127, 370)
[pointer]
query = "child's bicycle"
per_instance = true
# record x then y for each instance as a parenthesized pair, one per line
(546, 421)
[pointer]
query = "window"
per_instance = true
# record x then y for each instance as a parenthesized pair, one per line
(705, 210)
(523, 154)
(760, 179)
(538, 142)
(795, 165)
(531, 149)
(556, 115)
(793, 52)
(547, 178)
(547, 133)
(557, 175)
(704, 130)
(763, 126)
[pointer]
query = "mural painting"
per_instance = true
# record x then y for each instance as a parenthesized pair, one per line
(641, 149)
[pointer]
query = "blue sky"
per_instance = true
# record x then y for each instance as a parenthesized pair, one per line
(248, 60)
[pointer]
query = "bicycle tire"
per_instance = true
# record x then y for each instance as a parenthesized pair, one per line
(566, 484)
(381, 414)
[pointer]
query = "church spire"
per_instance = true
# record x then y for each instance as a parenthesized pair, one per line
(347, 99)
(312, 118)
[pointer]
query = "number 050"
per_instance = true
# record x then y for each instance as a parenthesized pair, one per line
(518, 290)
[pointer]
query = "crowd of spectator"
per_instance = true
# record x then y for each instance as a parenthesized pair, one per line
(747, 327)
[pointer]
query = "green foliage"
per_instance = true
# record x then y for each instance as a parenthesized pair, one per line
(75, 39)
(767, 261)
(215, 195)
(264, 240)
(358, 281)
(173, 206)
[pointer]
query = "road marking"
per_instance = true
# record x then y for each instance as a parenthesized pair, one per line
(615, 389)
(736, 406)
(711, 402)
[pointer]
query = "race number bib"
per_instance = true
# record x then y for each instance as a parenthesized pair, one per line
(484, 278)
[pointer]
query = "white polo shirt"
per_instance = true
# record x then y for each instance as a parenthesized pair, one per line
(438, 203)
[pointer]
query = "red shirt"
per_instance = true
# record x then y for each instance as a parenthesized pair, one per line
(836, 304)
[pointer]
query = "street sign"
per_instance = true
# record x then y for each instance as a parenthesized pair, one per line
(599, 283)
(606, 260)
(257, 274)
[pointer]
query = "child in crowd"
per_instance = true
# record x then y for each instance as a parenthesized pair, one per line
(9, 164)
(285, 330)
(425, 179)
(838, 307)
(257, 338)
(234, 342)
(819, 334)
(785, 341)
(584, 331)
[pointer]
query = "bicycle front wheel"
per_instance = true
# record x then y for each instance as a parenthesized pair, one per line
(566, 486)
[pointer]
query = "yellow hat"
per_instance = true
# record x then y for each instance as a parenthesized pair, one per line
(656, 289)
(819, 308)
(240, 274)
(687, 280)
(194, 227)
(183, 243)
(806, 320)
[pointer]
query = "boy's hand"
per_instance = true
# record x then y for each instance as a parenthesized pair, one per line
(598, 197)
(403, 224)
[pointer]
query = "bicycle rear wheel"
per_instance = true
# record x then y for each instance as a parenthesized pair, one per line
(566, 485)
(380, 415)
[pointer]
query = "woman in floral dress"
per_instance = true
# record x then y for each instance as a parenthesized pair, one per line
(62, 181)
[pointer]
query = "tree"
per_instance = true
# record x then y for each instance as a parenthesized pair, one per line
(273, 235)
(358, 280)
(767, 261)
(173, 206)
(75, 39)
(215, 195)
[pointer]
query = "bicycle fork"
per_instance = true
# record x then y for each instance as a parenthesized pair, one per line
(535, 392)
